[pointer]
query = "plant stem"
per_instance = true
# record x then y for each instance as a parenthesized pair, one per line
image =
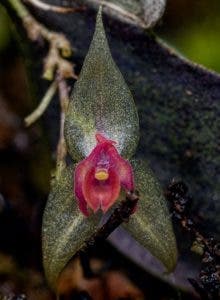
(54, 8)
(38, 112)
(61, 146)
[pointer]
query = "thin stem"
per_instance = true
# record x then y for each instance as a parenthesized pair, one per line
(38, 112)
(61, 146)
(54, 63)
(36, 30)
(54, 8)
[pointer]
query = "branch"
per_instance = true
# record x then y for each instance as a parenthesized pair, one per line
(61, 146)
(38, 112)
(54, 8)
(58, 43)
(121, 214)
(54, 63)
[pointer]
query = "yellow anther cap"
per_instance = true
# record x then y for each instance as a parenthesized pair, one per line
(101, 175)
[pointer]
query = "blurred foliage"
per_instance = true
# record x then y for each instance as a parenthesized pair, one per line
(5, 32)
(193, 27)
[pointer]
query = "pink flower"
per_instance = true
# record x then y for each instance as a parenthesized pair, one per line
(99, 177)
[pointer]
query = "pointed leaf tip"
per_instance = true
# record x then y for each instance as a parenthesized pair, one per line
(101, 102)
(99, 14)
(99, 22)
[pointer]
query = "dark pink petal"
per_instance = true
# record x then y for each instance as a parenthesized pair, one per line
(101, 194)
(99, 153)
(122, 167)
(79, 177)
(101, 139)
(125, 174)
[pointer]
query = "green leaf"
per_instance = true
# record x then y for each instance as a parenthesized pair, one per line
(101, 102)
(151, 225)
(153, 11)
(144, 13)
(65, 228)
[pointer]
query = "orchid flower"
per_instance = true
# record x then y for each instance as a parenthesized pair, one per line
(99, 177)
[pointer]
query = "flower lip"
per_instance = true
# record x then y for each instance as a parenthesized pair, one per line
(99, 177)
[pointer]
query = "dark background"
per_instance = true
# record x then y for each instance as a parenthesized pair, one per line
(27, 156)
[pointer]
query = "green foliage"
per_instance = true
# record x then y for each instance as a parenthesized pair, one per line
(193, 28)
(150, 225)
(4, 29)
(201, 44)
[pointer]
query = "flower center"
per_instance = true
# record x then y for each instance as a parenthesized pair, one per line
(101, 174)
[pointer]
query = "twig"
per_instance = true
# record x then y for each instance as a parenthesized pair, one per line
(54, 63)
(38, 112)
(61, 146)
(57, 41)
(120, 214)
(54, 8)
